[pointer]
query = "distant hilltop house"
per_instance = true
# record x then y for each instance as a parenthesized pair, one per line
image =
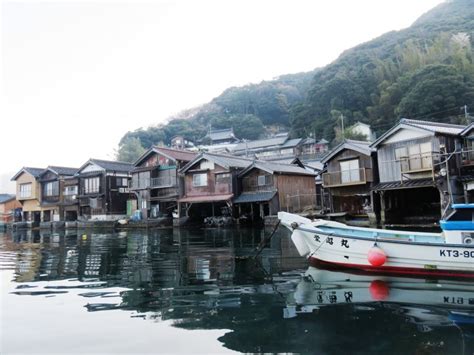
(179, 142)
(221, 136)
(363, 129)
(280, 146)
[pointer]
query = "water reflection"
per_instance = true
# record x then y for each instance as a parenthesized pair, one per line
(205, 279)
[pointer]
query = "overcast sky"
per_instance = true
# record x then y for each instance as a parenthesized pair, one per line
(77, 75)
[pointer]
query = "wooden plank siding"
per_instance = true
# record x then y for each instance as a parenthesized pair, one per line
(214, 186)
(293, 185)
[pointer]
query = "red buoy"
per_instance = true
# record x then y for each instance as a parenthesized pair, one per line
(379, 290)
(376, 256)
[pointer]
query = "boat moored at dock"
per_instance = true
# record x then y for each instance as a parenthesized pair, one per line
(449, 253)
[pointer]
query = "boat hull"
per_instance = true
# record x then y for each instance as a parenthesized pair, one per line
(402, 255)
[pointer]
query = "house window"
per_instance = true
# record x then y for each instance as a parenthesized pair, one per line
(414, 157)
(261, 180)
(70, 190)
(92, 185)
(199, 180)
(286, 151)
(223, 178)
(51, 188)
(350, 171)
(122, 182)
(25, 190)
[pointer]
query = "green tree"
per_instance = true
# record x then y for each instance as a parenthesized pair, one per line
(130, 149)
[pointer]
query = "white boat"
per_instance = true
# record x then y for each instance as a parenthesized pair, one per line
(449, 253)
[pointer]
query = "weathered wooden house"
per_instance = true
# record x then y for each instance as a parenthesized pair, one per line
(28, 193)
(349, 176)
(268, 187)
(221, 136)
(103, 189)
(51, 182)
(413, 171)
(465, 161)
(155, 180)
(210, 183)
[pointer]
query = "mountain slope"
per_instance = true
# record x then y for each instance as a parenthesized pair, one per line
(425, 71)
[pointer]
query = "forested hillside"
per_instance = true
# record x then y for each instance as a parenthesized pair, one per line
(425, 71)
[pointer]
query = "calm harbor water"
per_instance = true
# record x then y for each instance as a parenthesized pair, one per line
(198, 291)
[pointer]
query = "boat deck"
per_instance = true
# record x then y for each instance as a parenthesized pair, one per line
(377, 234)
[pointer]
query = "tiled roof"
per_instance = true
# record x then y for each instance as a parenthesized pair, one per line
(248, 197)
(272, 168)
(290, 143)
(35, 172)
(113, 165)
(6, 197)
(408, 184)
(62, 170)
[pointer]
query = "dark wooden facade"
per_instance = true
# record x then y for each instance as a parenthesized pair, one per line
(417, 173)
(210, 183)
(349, 177)
(52, 192)
(155, 180)
(103, 189)
(267, 188)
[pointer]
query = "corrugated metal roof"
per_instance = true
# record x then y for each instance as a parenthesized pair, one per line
(228, 160)
(207, 198)
(434, 127)
(437, 127)
(408, 184)
(220, 134)
(249, 197)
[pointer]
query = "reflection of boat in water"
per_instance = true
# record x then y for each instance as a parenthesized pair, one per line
(450, 253)
(425, 300)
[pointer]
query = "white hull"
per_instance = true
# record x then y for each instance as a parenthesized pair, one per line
(406, 252)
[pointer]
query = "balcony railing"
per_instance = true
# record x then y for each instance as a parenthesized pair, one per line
(158, 182)
(417, 163)
(165, 181)
(467, 158)
(70, 198)
(347, 177)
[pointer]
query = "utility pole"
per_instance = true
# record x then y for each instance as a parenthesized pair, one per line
(466, 114)
(342, 125)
